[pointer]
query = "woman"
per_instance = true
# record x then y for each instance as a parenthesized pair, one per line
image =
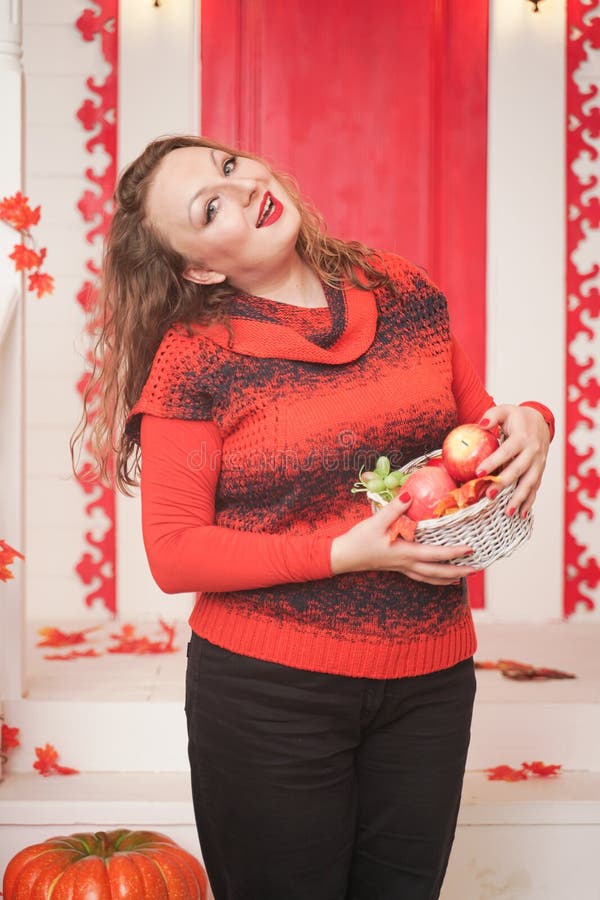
(330, 677)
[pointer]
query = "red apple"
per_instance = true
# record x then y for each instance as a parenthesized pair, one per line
(427, 486)
(465, 447)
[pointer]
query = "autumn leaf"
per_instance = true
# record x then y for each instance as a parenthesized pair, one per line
(47, 762)
(540, 769)
(466, 495)
(72, 654)
(41, 283)
(506, 773)
(518, 671)
(129, 642)
(16, 211)
(8, 555)
(54, 637)
(403, 527)
(537, 769)
(26, 258)
(10, 738)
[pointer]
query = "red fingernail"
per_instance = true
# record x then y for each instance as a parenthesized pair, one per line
(484, 423)
(510, 511)
(493, 493)
(480, 473)
(405, 497)
(524, 514)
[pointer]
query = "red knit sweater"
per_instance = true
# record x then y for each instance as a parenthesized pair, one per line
(249, 452)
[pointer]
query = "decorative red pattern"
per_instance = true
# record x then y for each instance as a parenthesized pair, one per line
(98, 115)
(582, 568)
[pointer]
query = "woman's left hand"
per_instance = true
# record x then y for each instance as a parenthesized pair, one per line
(523, 452)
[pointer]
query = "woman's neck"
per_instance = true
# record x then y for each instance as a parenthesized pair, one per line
(296, 285)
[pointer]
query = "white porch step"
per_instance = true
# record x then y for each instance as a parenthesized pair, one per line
(556, 721)
(125, 713)
(533, 840)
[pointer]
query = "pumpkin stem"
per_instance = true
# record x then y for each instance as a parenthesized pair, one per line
(103, 845)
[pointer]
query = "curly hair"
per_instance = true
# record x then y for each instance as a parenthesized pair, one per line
(143, 293)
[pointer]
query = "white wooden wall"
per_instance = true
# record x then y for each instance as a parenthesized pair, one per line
(526, 273)
(158, 94)
(56, 61)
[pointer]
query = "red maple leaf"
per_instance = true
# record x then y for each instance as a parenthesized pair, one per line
(506, 773)
(41, 283)
(16, 211)
(539, 768)
(54, 637)
(8, 555)
(47, 762)
(10, 738)
(26, 258)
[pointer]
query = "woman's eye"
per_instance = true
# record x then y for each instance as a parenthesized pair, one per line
(211, 210)
(229, 165)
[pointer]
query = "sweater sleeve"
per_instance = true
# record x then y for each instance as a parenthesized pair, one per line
(472, 399)
(186, 551)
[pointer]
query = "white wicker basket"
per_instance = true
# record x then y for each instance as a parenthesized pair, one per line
(484, 526)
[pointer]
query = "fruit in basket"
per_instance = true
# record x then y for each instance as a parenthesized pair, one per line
(427, 486)
(381, 481)
(464, 448)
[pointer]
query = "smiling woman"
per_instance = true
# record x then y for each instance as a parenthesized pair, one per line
(258, 362)
(216, 209)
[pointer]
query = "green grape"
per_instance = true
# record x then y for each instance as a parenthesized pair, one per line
(395, 479)
(382, 466)
(366, 477)
(376, 485)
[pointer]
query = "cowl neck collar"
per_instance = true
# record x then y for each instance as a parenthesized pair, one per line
(265, 328)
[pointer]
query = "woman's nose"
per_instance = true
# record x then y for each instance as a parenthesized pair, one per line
(246, 189)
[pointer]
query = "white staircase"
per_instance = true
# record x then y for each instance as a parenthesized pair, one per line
(120, 720)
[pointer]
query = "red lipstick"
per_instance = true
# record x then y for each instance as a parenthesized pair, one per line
(270, 210)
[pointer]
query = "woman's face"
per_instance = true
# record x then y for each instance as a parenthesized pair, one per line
(227, 215)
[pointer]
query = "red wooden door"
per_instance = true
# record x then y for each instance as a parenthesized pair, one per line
(380, 112)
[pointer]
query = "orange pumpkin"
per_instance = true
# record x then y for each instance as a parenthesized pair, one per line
(129, 865)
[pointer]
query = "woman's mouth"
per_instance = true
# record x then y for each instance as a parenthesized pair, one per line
(270, 210)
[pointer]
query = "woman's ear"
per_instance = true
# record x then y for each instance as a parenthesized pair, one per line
(199, 275)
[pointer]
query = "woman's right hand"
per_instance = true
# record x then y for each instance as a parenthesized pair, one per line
(367, 547)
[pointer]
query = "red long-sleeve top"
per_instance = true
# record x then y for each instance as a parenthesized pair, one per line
(188, 552)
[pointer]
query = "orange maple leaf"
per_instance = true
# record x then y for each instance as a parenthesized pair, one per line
(72, 654)
(16, 211)
(41, 283)
(47, 762)
(8, 555)
(54, 637)
(129, 642)
(403, 527)
(465, 495)
(10, 738)
(25, 257)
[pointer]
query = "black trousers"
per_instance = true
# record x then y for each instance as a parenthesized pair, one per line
(320, 787)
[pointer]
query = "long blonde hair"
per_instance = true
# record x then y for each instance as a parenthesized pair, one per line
(143, 292)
